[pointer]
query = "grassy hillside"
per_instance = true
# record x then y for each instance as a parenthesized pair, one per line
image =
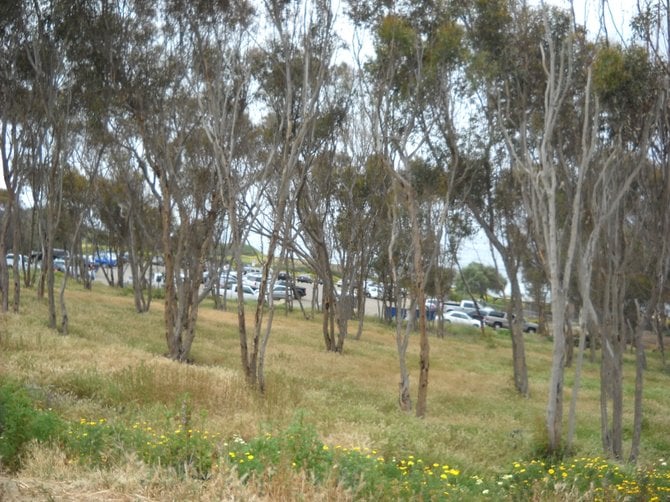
(111, 389)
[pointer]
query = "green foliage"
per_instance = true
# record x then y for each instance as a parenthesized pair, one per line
(478, 279)
(446, 45)
(299, 446)
(593, 477)
(626, 83)
(609, 75)
(91, 442)
(367, 473)
(440, 279)
(186, 449)
(371, 475)
(397, 35)
(20, 423)
(249, 250)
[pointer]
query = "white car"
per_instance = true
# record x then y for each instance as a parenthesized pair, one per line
(253, 280)
(461, 318)
(10, 260)
(374, 291)
(248, 293)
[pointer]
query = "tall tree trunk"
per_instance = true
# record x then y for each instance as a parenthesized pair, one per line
(401, 338)
(19, 267)
(555, 401)
(516, 326)
(4, 272)
(639, 384)
(172, 333)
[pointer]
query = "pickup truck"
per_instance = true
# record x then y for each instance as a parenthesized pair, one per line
(497, 319)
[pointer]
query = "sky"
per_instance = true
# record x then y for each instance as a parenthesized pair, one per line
(617, 14)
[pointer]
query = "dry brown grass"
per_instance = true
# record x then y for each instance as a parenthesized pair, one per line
(112, 366)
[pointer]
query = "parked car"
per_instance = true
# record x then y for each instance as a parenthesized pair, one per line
(471, 306)
(253, 280)
(22, 260)
(298, 291)
(227, 278)
(282, 292)
(374, 291)
(304, 278)
(458, 317)
(498, 319)
(474, 313)
(59, 265)
(248, 293)
(105, 259)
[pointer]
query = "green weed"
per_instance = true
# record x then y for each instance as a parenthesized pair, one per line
(21, 421)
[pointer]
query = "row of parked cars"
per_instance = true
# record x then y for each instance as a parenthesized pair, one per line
(468, 313)
(284, 288)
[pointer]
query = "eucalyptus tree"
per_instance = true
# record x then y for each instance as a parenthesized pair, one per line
(78, 197)
(224, 51)
(324, 183)
(319, 212)
(499, 212)
(157, 119)
(412, 78)
(47, 90)
(494, 199)
(650, 32)
(549, 114)
(630, 89)
(360, 225)
(393, 124)
(291, 71)
(14, 130)
(531, 88)
(125, 218)
(143, 238)
(478, 279)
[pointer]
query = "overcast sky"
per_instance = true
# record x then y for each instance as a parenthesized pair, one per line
(616, 15)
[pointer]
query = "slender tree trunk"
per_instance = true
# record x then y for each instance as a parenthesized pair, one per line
(19, 267)
(518, 343)
(639, 384)
(402, 336)
(555, 402)
(572, 414)
(4, 272)
(47, 262)
(424, 345)
(660, 334)
(172, 333)
(569, 336)
(65, 320)
(401, 339)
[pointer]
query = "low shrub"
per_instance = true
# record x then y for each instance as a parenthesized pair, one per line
(21, 421)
